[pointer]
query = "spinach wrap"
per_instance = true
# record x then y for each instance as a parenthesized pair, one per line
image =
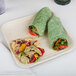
(39, 24)
(57, 36)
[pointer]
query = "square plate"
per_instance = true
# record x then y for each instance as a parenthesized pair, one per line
(18, 29)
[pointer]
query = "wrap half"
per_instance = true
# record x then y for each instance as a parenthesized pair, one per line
(39, 24)
(57, 36)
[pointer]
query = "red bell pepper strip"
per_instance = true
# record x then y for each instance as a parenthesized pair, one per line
(28, 43)
(42, 51)
(33, 33)
(63, 46)
(33, 60)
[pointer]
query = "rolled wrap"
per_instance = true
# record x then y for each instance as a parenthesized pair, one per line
(40, 20)
(55, 30)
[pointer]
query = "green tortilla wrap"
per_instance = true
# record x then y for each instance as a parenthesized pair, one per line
(41, 20)
(56, 31)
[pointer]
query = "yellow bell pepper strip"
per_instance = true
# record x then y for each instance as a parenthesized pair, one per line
(22, 47)
(36, 55)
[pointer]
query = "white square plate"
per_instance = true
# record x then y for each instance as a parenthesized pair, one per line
(18, 28)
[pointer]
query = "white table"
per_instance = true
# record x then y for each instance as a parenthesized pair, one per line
(61, 66)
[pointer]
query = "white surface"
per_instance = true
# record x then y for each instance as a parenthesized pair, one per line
(64, 65)
(18, 28)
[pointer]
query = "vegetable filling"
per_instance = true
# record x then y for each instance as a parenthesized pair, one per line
(33, 31)
(27, 50)
(60, 44)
